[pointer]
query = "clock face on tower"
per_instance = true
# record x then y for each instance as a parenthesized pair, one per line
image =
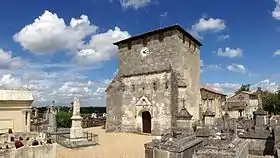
(144, 51)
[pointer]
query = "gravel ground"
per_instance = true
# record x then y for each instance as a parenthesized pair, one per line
(112, 145)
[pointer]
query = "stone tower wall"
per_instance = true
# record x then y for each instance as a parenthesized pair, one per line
(114, 106)
(152, 86)
(169, 48)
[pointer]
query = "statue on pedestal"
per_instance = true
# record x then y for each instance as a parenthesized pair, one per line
(76, 128)
(76, 107)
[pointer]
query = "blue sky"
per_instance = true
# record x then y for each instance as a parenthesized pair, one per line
(63, 48)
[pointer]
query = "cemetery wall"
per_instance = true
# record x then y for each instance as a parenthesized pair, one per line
(41, 151)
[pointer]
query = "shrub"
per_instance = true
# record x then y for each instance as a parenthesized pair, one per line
(63, 119)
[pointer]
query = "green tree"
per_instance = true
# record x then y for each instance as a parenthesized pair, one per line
(271, 102)
(245, 87)
(63, 119)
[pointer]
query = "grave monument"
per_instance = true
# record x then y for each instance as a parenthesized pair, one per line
(76, 130)
(51, 116)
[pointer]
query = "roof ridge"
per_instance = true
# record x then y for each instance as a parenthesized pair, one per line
(174, 26)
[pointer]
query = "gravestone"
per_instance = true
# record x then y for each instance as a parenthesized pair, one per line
(260, 114)
(209, 116)
(51, 116)
(184, 120)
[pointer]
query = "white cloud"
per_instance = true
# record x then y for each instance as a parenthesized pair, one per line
(266, 84)
(230, 52)
(225, 88)
(204, 67)
(223, 37)
(8, 81)
(100, 47)
(230, 88)
(276, 11)
(59, 86)
(276, 53)
(7, 61)
(164, 14)
(213, 67)
(237, 68)
(135, 4)
(201, 63)
(210, 24)
(49, 33)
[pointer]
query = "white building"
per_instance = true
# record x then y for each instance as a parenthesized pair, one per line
(15, 110)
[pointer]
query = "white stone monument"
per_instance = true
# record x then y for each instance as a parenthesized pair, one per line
(76, 130)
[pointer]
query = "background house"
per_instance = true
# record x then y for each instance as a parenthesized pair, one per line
(242, 104)
(214, 99)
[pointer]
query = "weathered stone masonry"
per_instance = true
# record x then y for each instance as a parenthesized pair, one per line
(156, 82)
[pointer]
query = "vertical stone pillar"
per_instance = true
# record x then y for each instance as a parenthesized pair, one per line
(28, 121)
(260, 115)
(23, 127)
(200, 112)
(226, 118)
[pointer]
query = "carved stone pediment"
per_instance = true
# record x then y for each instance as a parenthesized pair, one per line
(143, 101)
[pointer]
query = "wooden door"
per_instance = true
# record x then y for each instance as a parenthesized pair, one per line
(146, 122)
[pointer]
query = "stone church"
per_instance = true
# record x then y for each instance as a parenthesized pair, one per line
(158, 75)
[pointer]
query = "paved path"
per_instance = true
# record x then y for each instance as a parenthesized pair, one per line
(112, 145)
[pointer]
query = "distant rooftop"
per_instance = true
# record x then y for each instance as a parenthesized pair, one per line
(153, 32)
(212, 90)
(16, 94)
(248, 92)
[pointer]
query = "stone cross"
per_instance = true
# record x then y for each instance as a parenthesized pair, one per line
(259, 94)
(76, 107)
(226, 108)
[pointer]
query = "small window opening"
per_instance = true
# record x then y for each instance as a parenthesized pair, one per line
(166, 85)
(133, 88)
(155, 86)
(123, 88)
(26, 113)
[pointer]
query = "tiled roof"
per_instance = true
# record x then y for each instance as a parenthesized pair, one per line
(156, 31)
(211, 90)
